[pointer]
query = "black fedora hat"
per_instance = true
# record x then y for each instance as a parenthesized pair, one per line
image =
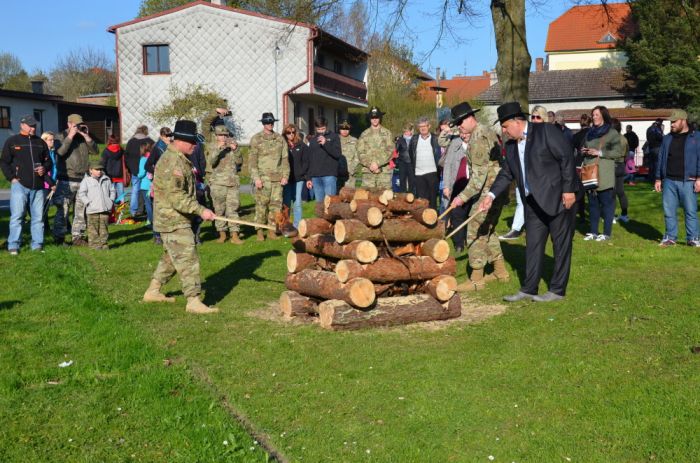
(460, 112)
(268, 118)
(185, 130)
(374, 112)
(509, 111)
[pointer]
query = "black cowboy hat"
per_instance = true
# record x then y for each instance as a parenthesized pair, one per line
(462, 111)
(268, 118)
(374, 112)
(185, 130)
(345, 125)
(509, 111)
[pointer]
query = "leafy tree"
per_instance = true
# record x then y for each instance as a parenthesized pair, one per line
(662, 54)
(82, 72)
(12, 74)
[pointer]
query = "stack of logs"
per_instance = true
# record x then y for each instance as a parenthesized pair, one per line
(371, 258)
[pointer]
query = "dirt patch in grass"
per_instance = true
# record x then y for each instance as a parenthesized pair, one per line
(473, 312)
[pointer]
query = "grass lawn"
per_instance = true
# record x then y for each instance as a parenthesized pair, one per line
(605, 376)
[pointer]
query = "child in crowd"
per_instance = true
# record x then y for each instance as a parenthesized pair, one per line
(630, 169)
(98, 194)
(145, 180)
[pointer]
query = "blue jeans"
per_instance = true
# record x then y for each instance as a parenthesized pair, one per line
(678, 193)
(20, 197)
(602, 201)
(324, 186)
(119, 188)
(135, 193)
(148, 204)
(292, 193)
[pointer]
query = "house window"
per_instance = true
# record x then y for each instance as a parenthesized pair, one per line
(338, 118)
(5, 117)
(337, 66)
(39, 116)
(156, 59)
(607, 38)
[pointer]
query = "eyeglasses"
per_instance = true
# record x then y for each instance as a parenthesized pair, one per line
(535, 117)
(290, 133)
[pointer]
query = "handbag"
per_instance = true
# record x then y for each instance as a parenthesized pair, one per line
(589, 175)
(126, 175)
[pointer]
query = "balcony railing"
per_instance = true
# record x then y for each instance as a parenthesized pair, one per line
(330, 81)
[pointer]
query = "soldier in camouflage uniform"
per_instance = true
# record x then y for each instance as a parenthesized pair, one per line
(348, 146)
(224, 161)
(483, 163)
(175, 205)
(269, 170)
(374, 149)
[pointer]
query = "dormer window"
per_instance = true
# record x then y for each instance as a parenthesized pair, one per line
(608, 38)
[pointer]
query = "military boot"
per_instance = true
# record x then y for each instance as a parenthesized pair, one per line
(153, 293)
(271, 235)
(474, 283)
(235, 239)
(261, 235)
(222, 237)
(195, 305)
(499, 272)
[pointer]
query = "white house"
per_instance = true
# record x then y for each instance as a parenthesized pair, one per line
(258, 63)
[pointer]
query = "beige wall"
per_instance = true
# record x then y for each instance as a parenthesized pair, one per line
(586, 60)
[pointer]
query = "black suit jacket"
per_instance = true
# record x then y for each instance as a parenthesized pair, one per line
(549, 162)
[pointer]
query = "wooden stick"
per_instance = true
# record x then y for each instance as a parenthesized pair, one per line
(462, 225)
(244, 222)
(447, 211)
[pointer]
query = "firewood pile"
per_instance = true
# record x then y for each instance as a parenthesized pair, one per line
(371, 258)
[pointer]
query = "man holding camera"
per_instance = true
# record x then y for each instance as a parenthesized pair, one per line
(224, 161)
(74, 149)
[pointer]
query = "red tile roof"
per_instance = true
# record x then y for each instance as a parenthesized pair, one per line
(623, 114)
(458, 88)
(585, 27)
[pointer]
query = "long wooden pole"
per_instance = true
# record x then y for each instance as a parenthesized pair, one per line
(244, 222)
(462, 225)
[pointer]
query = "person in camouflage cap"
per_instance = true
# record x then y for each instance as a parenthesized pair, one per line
(175, 205)
(224, 161)
(269, 170)
(348, 146)
(483, 162)
(374, 149)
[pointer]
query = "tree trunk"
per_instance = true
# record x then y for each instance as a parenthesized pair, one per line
(293, 304)
(325, 245)
(309, 227)
(387, 270)
(358, 292)
(298, 261)
(402, 310)
(435, 248)
(442, 287)
(400, 230)
(513, 65)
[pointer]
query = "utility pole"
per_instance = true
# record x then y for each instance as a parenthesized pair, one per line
(438, 97)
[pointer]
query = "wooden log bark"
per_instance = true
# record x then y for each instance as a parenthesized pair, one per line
(325, 245)
(386, 270)
(405, 250)
(337, 210)
(298, 261)
(328, 200)
(402, 310)
(358, 292)
(442, 287)
(308, 227)
(293, 304)
(369, 215)
(320, 212)
(398, 206)
(435, 248)
(399, 230)
(346, 194)
(427, 216)
(407, 197)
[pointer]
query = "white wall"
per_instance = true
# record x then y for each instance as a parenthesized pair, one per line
(19, 108)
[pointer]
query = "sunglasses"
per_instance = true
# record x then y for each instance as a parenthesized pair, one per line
(535, 117)
(292, 132)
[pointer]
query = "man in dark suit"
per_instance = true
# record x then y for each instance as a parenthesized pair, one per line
(541, 160)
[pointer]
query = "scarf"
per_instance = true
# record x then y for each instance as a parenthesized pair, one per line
(597, 132)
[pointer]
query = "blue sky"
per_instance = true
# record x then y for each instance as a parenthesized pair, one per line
(40, 31)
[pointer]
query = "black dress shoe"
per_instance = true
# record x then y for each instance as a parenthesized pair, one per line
(519, 296)
(511, 235)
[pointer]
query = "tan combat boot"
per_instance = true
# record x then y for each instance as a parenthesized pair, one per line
(499, 272)
(222, 237)
(271, 235)
(153, 293)
(475, 283)
(235, 239)
(195, 305)
(261, 235)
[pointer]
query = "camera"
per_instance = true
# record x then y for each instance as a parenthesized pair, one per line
(83, 128)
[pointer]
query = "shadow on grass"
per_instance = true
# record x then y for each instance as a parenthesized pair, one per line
(514, 254)
(219, 284)
(129, 236)
(643, 230)
(7, 305)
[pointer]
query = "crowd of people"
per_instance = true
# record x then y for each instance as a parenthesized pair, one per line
(464, 166)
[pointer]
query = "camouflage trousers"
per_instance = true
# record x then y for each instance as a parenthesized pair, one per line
(380, 180)
(65, 196)
(268, 201)
(180, 256)
(226, 200)
(97, 231)
(482, 240)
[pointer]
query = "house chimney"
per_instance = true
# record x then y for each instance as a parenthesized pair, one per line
(38, 86)
(539, 64)
(494, 77)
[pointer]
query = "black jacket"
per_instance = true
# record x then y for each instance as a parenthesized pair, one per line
(113, 163)
(158, 150)
(412, 146)
(298, 162)
(19, 154)
(323, 160)
(402, 149)
(632, 140)
(549, 161)
(133, 153)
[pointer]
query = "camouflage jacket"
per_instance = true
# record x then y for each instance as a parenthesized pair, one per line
(484, 161)
(268, 157)
(175, 201)
(222, 165)
(375, 145)
(348, 146)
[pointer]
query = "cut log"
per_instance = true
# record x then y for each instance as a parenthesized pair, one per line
(358, 292)
(346, 194)
(427, 216)
(385, 197)
(442, 287)
(320, 212)
(371, 216)
(387, 270)
(308, 227)
(405, 250)
(298, 261)
(398, 206)
(338, 315)
(407, 197)
(361, 193)
(293, 304)
(400, 230)
(435, 248)
(357, 203)
(338, 210)
(328, 200)
(326, 245)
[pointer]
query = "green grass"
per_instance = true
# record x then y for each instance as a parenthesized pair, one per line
(607, 375)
